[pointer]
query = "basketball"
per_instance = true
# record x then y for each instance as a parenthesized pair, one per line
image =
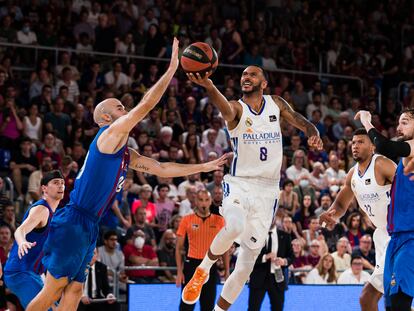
(199, 57)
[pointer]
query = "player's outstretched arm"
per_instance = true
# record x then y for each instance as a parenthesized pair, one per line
(341, 203)
(300, 122)
(37, 215)
(169, 169)
(229, 111)
(151, 98)
(383, 145)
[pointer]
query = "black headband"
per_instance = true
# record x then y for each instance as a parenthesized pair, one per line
(49, 176)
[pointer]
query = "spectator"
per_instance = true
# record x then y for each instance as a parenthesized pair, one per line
(191, 150)
(164, 208)
(232, 43)
(165, 141)
(155, 44)
(22, 164)
(166, 255)
(316, 105)
(140, 218)
(339, 127)
(354, 232)
(314, 253)
(26, 35)
(313, 232)
(113, 258)
(211, 145)
(144, 201)
(192, 180)
(140, 254)
(289, 227)
(336, 176)
(36, 87)
(68, 81)
(43, 101)
(6, 242)
(97, 287)
(324, 272)
(332, 234)
(32, 124)
(217, 200)
(116, 80)
(297, 172)
(341, 256)
(318, 178)
(188, 204)
(152, 125)
(300, 261)
(217, 181)
(58, 121)
(11, 125)
(221, 139)
(9, 215)
(105, 35)
(326, 202)
(49, 150)
(300, 98)
(288, 198)
(354, 274)
(288, 151)
(365, 251)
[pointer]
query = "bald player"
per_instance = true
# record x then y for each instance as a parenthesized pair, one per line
(70, 245)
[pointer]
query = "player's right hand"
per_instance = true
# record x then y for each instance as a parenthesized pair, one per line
(179, 279)
(174, 55)
(201, 80)
(327, 218)
(24, 248)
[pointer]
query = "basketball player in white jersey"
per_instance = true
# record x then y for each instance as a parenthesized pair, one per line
(251, 190)
(369, 181)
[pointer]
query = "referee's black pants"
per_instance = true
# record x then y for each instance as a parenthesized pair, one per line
(208, 293)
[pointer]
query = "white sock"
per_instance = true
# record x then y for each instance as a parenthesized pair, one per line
(207, 263)
(217, 308)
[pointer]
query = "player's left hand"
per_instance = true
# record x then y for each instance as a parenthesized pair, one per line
(364, 116)
(216, 164)
(409, 169)
(24, 248)
(315, 142)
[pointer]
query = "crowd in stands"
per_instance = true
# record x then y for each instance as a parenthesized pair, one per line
(46, 117)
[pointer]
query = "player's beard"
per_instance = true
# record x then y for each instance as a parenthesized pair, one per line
(404, 138)
(255, 89)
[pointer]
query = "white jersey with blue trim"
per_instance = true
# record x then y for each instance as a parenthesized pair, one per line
(372, 198)
(257, 142)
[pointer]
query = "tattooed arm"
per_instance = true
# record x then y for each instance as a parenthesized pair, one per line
(170, 169)
(300, 122)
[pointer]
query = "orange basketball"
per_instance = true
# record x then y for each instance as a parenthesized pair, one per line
(199, 57)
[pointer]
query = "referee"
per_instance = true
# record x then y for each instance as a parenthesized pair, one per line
(200, 229)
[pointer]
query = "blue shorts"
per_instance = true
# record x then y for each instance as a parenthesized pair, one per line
(399, 268)
(24, 284)
(70, 244)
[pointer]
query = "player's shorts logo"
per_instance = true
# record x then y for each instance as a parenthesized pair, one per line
(248, 122)
(393, 282)
(253, 239)
(236, 201)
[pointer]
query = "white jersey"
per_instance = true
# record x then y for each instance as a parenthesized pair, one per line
(257, 142)
(372, 198)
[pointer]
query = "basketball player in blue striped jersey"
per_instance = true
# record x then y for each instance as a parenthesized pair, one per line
(24, 265)
(251, 190)
(399, 270)
(70, 245)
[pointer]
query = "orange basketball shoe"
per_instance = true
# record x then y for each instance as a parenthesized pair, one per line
(192, 290)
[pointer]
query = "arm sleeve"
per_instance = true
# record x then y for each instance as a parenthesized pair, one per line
(388, 148)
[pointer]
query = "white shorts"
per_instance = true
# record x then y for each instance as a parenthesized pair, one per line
(381, 240)
(257, 200)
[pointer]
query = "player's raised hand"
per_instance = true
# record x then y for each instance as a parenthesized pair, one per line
(327, 218)
(216, 164)
(315, 142)
(200, 80)
(174, 55)
(24, 248)
(364, 116)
